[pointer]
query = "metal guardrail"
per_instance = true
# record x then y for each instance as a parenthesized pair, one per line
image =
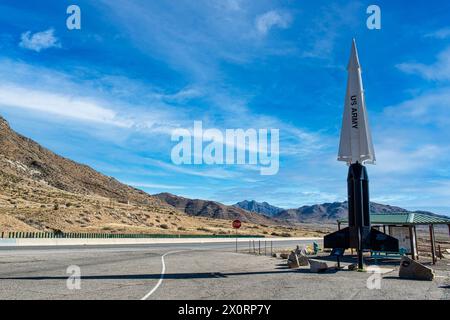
(73, 235)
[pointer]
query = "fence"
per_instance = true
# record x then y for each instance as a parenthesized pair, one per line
(260, 247)
(73, 235)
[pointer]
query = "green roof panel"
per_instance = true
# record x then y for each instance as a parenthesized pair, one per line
(413, 218)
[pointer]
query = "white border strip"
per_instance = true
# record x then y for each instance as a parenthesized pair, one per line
(96, 242)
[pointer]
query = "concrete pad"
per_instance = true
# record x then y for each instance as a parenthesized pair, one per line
(378, 269)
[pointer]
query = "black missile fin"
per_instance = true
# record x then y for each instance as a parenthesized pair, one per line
(338, 239)
(380, 241)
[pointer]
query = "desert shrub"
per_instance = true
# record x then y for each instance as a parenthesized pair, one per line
(203, 229)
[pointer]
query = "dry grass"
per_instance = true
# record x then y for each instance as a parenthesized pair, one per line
(29, 205)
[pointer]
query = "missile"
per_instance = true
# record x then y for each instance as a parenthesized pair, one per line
(356, 141)
(356, 149)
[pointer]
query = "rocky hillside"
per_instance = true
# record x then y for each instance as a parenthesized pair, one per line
(211, 209)
(259, 207)
(24, 158)
(42, 191)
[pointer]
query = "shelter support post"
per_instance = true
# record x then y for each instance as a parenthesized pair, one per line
(413, 243)
(433, 244)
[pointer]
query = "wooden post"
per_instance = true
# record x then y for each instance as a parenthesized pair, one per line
(236, 240)
(412, 243)
(433, 244)
(339, 226)
(416, 241)
(384, 228)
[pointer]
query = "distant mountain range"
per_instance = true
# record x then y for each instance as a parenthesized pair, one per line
(326, 212)
(259, 207)
(211, 209)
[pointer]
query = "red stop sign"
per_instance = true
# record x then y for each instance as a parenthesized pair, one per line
(237, 224)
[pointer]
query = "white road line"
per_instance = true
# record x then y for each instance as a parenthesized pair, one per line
(163, 270)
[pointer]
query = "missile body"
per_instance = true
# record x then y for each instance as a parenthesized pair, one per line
(355, 149)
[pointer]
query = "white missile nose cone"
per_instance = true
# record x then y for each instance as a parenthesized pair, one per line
(354, 59)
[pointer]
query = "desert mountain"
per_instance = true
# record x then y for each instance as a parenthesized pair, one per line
(259, 207)
(25, 158)
(326, 212)
(211, 209)
(42, 191)
(330, 211)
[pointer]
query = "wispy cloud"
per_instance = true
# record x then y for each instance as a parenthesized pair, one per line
(430, 107)
(59, 104)
(39, 41)
(325, 30)
(416, 158)
(98, 100)
(271, 19)
(439, 70)
(216, 173)
(443, 33)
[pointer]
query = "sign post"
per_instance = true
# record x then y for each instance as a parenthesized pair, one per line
(236, 225)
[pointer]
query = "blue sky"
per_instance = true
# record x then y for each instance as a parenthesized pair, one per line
(110, 94)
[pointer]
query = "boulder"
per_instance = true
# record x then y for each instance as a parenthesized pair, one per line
(317, 266)
(284, 255)
(297, 260)
(411, 269)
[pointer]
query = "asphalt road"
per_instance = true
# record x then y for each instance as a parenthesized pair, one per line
(191, 271)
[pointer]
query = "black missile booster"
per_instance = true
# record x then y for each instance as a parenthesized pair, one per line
(359, 234)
